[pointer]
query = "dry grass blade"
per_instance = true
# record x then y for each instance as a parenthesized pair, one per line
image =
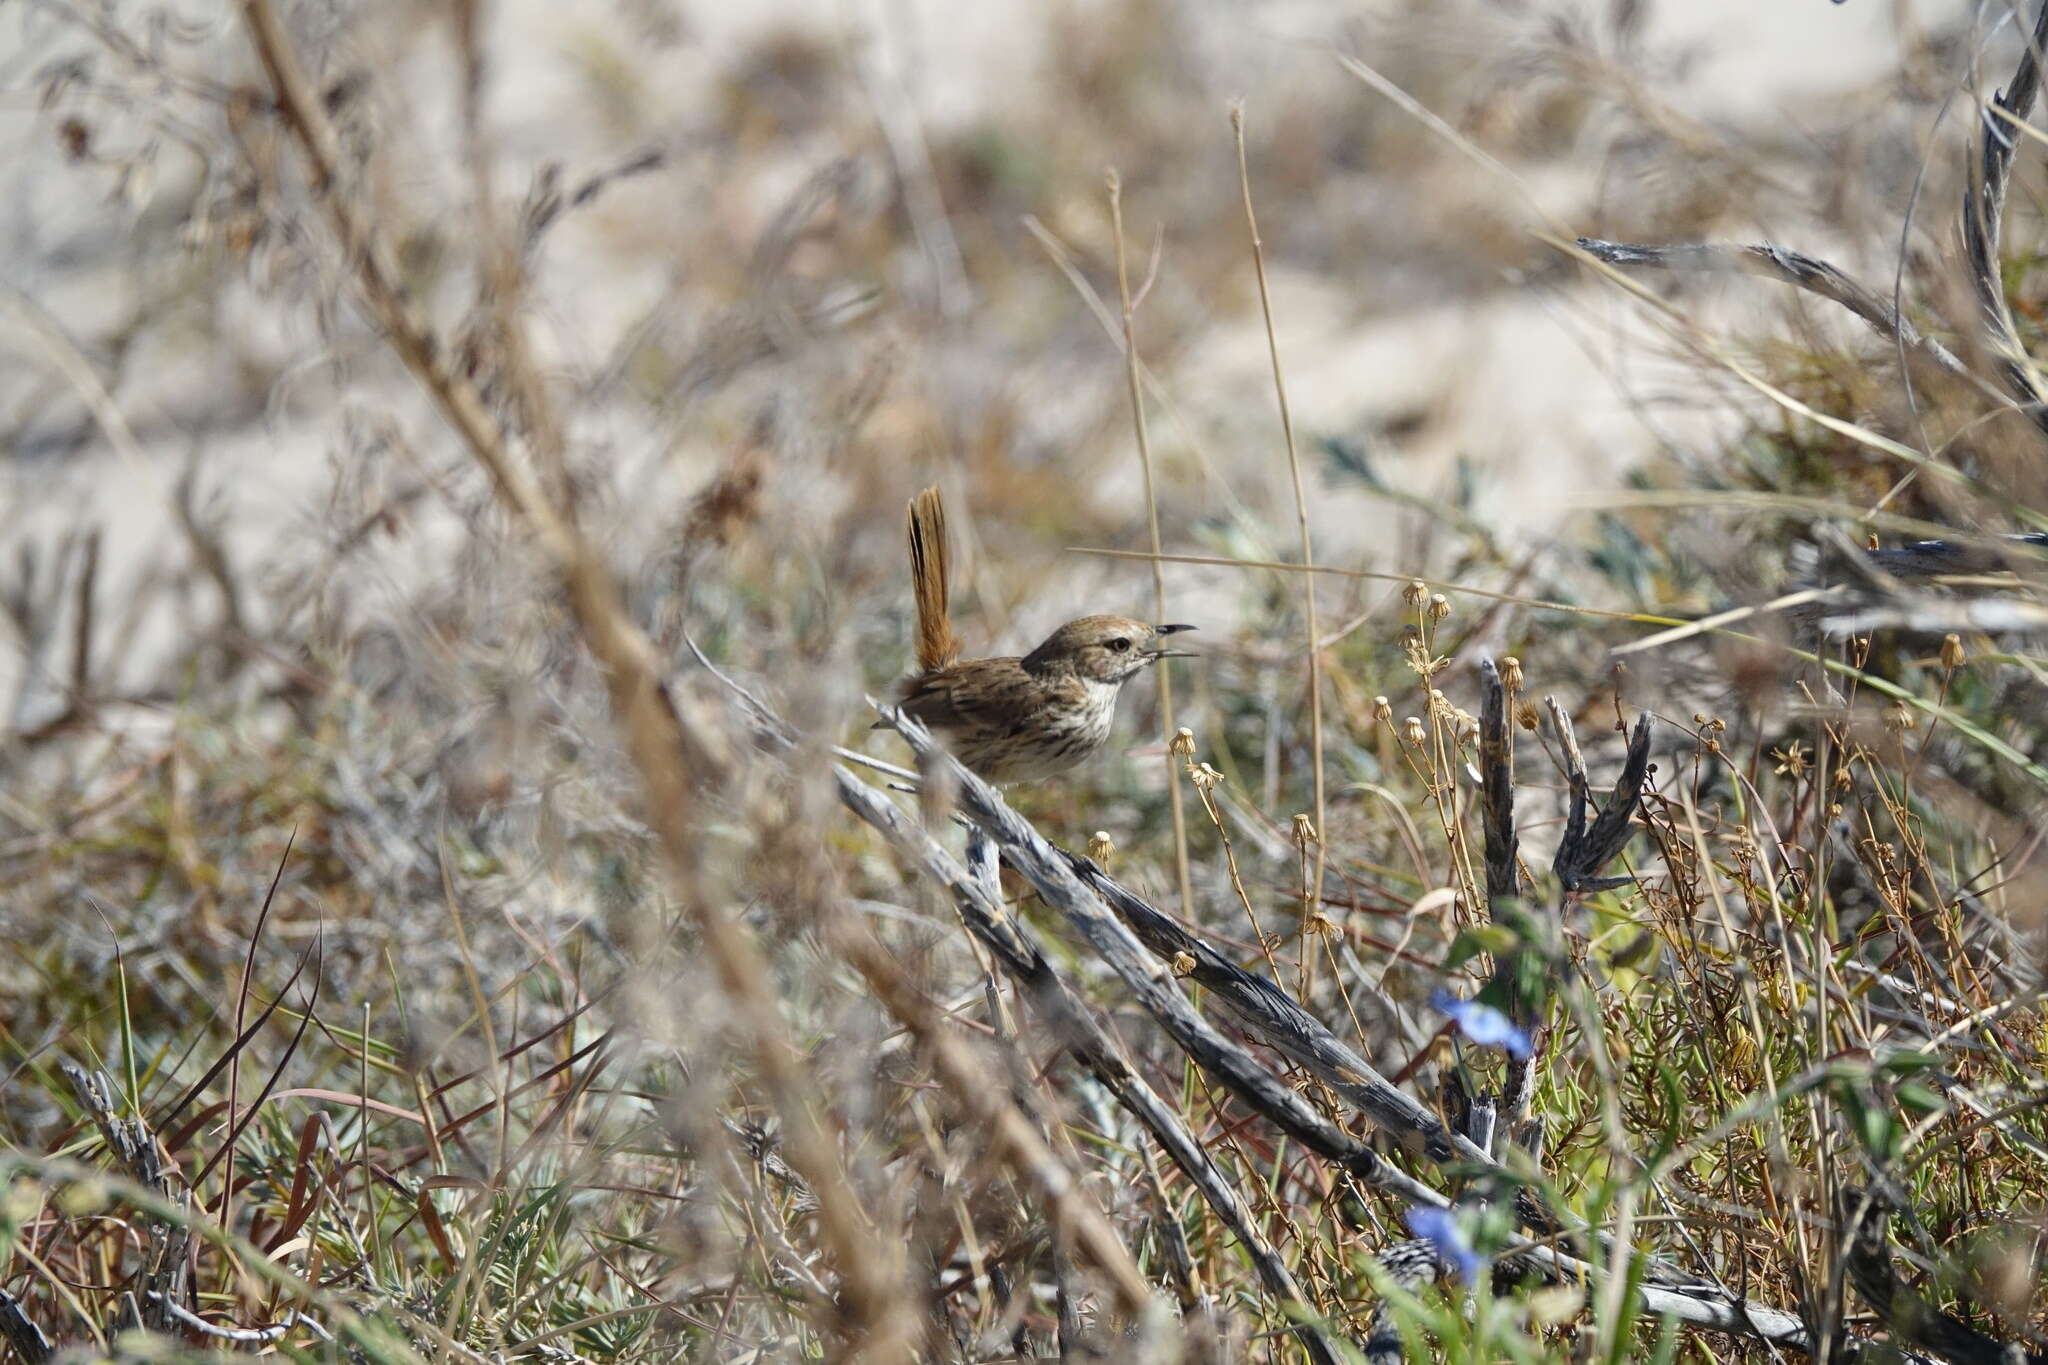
(1770, 261)
(1312, 895)
(1377, 576)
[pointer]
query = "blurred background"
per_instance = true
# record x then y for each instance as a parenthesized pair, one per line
(832, 252)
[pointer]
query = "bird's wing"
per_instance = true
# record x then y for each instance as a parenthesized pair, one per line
(934, 700)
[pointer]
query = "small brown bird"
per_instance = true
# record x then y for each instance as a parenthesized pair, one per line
(1012, 719)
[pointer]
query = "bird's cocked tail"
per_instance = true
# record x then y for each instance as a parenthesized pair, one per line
(930, 570)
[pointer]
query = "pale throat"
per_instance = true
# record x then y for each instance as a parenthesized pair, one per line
(1101, 700)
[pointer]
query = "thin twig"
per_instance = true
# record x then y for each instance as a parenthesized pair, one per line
(1131, 366)
(1312, 895)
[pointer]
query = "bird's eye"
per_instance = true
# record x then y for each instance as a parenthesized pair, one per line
(1120, 644)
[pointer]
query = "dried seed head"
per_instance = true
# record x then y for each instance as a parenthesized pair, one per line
(1305, 831)
(1416, 593)
(1412, 730)
(1183, 963)
(1952, 652)
(1526, 717)
(1439, 607)
(1182, 745)
(1511, 673)
(1418, 657)
(1899, 718)
(1101, 847)
(1204, 776)
(1383, 710)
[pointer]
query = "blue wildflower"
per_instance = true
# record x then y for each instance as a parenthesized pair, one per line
(1439, 1227)
(1483, 1024)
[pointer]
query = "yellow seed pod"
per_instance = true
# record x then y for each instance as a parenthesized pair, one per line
(1741, 1049)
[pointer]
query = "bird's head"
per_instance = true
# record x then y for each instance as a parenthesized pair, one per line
(1104, 649)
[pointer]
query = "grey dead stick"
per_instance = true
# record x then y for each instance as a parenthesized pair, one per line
(1076, 1026)
(1153, 983)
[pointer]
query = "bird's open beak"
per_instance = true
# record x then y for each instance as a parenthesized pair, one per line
(1171, 653)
